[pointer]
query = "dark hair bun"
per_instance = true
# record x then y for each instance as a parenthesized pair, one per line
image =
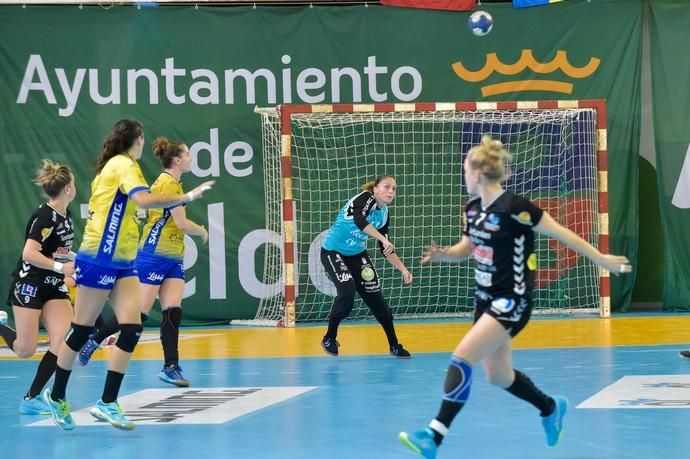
(160, 146)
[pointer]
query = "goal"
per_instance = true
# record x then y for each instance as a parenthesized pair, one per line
(317, 156)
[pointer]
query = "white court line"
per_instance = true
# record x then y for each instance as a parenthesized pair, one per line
(146, 338)
(648, 350)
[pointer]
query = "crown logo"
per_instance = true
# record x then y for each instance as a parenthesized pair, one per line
(526, 61)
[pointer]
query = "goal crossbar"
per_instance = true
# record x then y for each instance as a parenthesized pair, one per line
(306, 148)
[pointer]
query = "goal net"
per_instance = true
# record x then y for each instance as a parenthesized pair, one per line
(317, 156)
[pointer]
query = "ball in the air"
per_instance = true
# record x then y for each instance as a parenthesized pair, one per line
(480, 23)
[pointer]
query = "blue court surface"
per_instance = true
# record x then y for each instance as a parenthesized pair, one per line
(626, 402)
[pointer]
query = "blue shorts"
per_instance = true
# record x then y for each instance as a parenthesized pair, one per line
(153, 270)
(95, 276)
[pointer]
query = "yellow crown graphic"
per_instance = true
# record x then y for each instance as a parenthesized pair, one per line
(526, 61)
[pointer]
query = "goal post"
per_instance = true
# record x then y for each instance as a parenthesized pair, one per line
(315, 157)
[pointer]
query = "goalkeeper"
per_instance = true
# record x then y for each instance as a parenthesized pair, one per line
(499, 234)
(348, 266)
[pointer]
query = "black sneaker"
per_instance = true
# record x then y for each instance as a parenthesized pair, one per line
(330, 346)
(399, 351)
(685, 354)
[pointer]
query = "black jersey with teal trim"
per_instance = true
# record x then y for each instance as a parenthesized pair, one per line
(503, 244)
(346, 236)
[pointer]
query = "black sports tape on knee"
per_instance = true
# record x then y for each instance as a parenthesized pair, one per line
(77, 336)
(129, 337)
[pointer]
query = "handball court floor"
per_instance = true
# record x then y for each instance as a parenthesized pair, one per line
(272, 393)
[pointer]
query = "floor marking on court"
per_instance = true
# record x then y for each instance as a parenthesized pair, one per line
(639, 392)
(640, 351)
(146, 338)
(212, 405)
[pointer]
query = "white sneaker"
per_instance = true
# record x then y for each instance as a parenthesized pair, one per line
(3, 318)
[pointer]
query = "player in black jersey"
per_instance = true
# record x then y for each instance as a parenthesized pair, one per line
(38, 289)
(499, 234)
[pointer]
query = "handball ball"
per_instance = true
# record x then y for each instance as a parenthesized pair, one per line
(480, 23)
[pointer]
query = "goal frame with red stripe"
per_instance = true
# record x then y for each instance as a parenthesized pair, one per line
(287, 111)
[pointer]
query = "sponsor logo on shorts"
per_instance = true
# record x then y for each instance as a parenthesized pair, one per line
(52, 280)
(502, 305)
(368, 273)
(106, 280)
(343, 277)
(155, 277)
(29, 290)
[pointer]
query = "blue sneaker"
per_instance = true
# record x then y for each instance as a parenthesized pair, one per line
(330, 346)
(421, 442)
(34, 406)
(553, 424)
(172, 374)
(59, 411)
(112, 413)
(87, 351)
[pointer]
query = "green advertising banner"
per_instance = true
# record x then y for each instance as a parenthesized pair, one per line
(671, 96)
(196, 74)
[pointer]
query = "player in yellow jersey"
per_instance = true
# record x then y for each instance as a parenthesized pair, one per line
(159, 261)
(105, 268)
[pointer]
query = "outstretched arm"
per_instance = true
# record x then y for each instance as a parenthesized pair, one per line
(614, 263)
(397, 263)
(148, 200)
(453, 254)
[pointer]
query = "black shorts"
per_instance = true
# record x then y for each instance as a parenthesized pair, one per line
(34, 292)
(512, 311)
(353, 271)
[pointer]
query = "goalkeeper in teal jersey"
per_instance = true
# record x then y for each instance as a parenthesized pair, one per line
(348, 266)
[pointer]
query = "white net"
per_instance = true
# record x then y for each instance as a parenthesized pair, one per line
(554, 165)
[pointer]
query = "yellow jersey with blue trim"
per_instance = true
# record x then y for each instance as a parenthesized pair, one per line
(161, 236)
(111, 235)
